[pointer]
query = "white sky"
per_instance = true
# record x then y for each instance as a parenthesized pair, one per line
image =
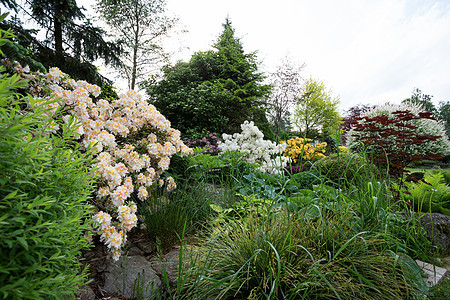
(366, 51)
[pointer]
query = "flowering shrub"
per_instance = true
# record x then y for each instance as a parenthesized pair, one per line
(210, 143)
(255, 148)
(423, 126)
(395, 139)
(132, 142)
(299, 149)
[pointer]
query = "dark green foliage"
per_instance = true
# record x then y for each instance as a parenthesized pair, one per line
(216, 91)
(225, 169)
(12, 4)
(45, 187)
(444, 115)
(441, 291)
(332, 145)
(60, 18)
(28, 50)
(21, 47)
(423, 100)
(305, 180)
(277, 188)
(186, 209)
(446, 175)
(192, 107)
(264, 186)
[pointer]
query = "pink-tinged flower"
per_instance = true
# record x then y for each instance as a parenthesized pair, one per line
(142, 179)
(103, 219)
(127, 218)
(119, 195)
(121, 169)
(142, 193)
(115, 241)
(103, 192)
(164, 163)
(171, 185)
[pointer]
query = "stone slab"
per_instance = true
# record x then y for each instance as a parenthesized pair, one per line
(434, 273)
(130, 277)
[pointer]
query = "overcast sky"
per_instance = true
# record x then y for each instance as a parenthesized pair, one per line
(366, 51)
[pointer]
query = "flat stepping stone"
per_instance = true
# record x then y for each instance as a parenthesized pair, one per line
(131, 277)
(434, 273)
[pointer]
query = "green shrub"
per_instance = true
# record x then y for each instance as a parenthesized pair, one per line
(44, 187)
(343, 169)
(223, 170)
(305, 180)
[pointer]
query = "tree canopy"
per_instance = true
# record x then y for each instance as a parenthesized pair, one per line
(286, 88)
(140, 25)
(71, 43)
(424, 100)
(216, 90)
(316, 109)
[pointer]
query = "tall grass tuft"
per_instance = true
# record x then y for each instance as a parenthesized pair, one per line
(296, 257)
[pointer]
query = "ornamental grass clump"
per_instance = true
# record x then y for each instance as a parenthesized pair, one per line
(285, 256)
(45, 187)
(133, 144)
(256, 150)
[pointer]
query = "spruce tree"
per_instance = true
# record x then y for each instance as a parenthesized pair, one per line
(216, 90)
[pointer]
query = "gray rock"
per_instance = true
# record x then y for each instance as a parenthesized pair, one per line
(438, 229)
(131, 277)
(85, 293)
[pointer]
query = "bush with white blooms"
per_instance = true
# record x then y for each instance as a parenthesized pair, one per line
(251, 142)
(132, 144)
(423, 126)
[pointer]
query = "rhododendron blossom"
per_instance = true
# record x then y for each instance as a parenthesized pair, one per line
(256, 150)
(103, 127)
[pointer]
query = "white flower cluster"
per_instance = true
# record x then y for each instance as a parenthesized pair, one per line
(423, 127)
(256, 150)
(100, 125)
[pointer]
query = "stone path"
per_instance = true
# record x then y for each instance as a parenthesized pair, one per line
(434, 273)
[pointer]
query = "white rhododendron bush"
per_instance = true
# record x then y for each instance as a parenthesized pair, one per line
(133, 144)
(256, 150)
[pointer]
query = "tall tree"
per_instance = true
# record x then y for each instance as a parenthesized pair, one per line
(71, 33)
(316, 109)
(286, 88)
(239, 75)
(424, 100)
(218, 89)
(141, 25)
(444, 115)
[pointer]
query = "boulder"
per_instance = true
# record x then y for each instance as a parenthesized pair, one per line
(438, 229)
(131, 277)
